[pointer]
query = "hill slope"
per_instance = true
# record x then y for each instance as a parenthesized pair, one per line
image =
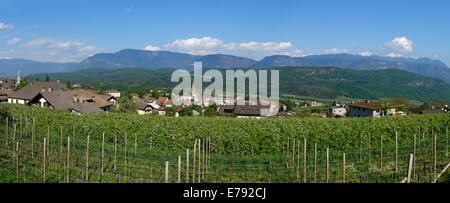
(319, 82)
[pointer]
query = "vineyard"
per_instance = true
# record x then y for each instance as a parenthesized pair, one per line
(42, 145)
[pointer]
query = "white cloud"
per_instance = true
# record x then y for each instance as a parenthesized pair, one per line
(60, 50)
(4, 26)
(195, 43)
(393, 55)
(259, 46)
(335, 51)
(152, 48)
(14, 40)
(365, 53)
(400, 45)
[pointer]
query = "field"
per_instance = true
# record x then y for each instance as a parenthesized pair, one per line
(136, 148)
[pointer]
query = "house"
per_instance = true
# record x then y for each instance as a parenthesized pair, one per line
(88, 96)
(337, 111)
(371, 109)
(6, 85)
(164, 101)
(316, 104)
(25, 94)
(162, 111)
(4, 95)
(245, 111)
(113, 93)
(319, 115)
(62, 100)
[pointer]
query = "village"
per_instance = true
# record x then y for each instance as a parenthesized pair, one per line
(56, 95)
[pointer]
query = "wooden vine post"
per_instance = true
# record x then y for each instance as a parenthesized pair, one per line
(315, 162)
(343, 167)
(434, 158)
(167, 172)
(396, 153)
(328, 166)
(103, 153)
(381, 151)
(193, 167)
(199, 159)
(304, 161)
(179, 169)
(187, 165)
(68, 159)
(17, 161)
(410, 166)
(87, 159)
(414, 157)
(45, 161)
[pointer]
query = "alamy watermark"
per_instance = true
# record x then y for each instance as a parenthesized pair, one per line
(188, 91)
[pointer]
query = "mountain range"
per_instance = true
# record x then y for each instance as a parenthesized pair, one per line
(131, 58)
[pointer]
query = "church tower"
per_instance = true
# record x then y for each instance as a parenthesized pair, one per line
(18, 77)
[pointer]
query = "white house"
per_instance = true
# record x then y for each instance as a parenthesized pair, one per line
(370, 109)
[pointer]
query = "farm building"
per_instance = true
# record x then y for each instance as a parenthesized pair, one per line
(62, 100)
(371, 109)
(24, 95)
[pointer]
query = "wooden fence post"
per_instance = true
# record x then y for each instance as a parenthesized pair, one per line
(45, 161)
(87, 159)
(167, 172)
(410, 166)
(187, 165)
(343, 167)
(328, 165)
(68, 159)
(179, 169)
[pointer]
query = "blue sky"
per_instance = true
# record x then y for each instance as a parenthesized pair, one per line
(62, 31)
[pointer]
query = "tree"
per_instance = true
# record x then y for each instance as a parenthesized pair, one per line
(127, 105)
(170, 111)
(69, 86)
(22, 84)
(210, 112)
(47, 78)
(155, 93)
(188, 111)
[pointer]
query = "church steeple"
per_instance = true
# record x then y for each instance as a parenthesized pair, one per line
(18, 77)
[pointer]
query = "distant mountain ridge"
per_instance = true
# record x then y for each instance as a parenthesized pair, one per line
(163, 59)
(10, 67)
(132, 58)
